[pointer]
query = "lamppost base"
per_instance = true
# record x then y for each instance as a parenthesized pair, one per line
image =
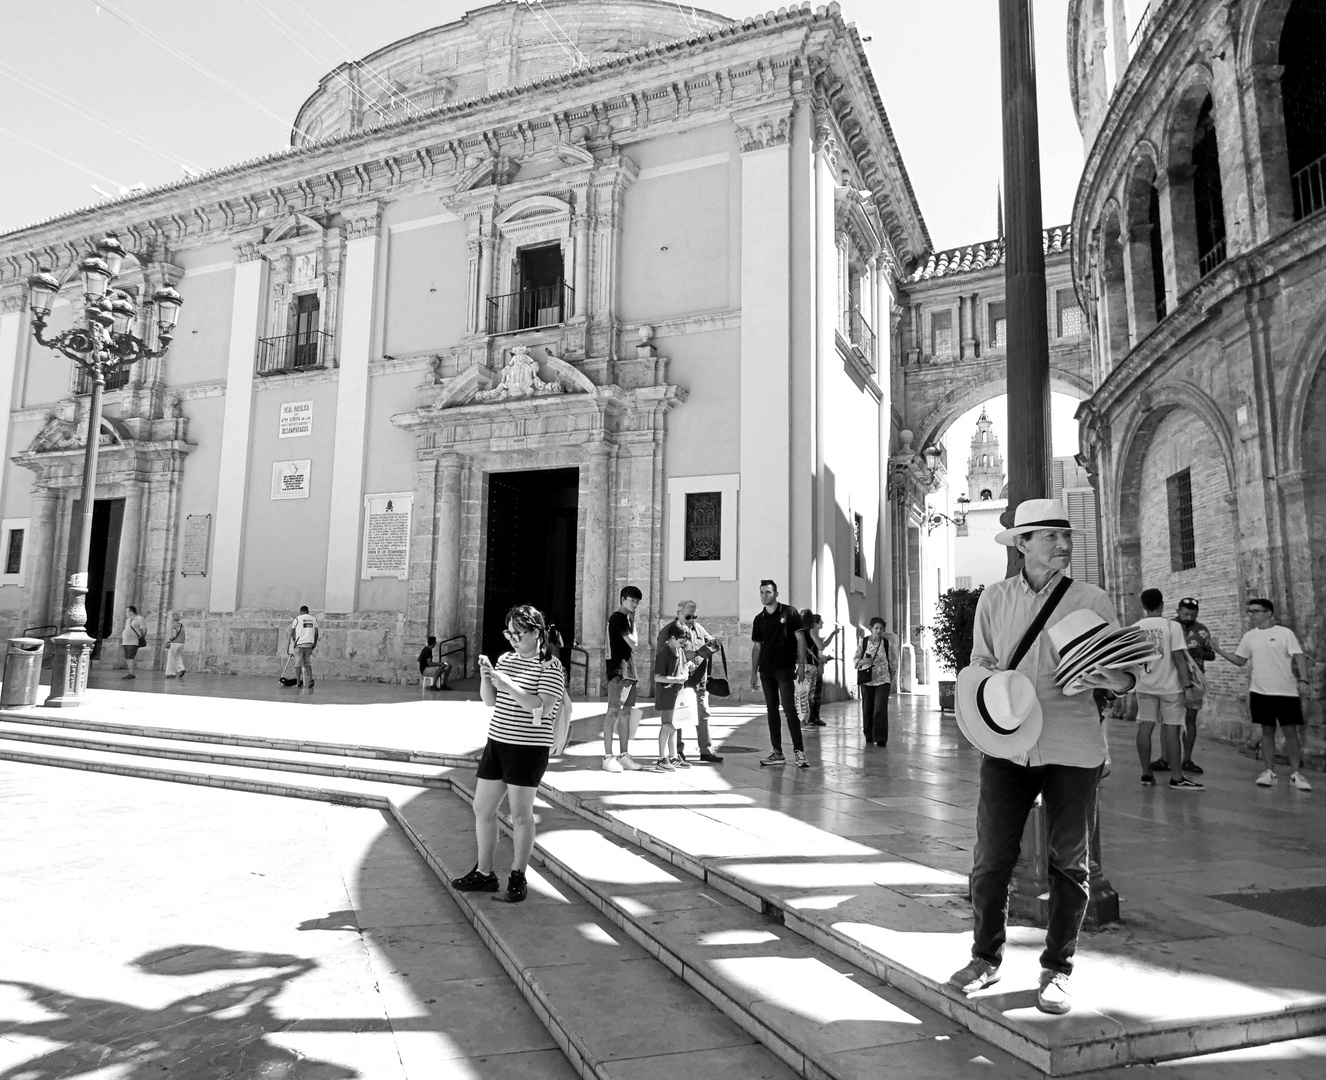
(69, 670)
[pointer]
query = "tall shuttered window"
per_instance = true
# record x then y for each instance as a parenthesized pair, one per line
(858, 546)
(1182, 537)
(941, 335)
(998, 325)
(1086, 536)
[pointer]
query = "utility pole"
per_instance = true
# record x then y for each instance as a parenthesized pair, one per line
(1029, 467)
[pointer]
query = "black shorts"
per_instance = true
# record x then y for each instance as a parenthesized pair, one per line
(1266, 709)
(519, 766)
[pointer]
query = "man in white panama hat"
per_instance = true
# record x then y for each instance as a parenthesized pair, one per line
(1062, 764)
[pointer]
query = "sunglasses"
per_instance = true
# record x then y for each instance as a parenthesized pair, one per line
(688, 618)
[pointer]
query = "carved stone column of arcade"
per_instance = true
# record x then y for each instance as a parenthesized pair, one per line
(596, 602)
(1139, 282)
(763, 539)
(246, 323)
(347, 486)
(1235, 173)
(1266, 149)
(450, 486)
(581, 281)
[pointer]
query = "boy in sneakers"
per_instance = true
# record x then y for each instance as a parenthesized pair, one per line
(1161, 689)
(1279, 678)
(622, 680)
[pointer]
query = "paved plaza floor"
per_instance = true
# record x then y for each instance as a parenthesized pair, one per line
(232, 934)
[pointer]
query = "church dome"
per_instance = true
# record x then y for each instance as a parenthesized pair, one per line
(489, 49)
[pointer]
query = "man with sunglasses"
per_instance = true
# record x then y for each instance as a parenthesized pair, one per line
(695, 638)
(1279, 679)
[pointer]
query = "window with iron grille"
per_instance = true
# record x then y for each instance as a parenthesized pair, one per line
(999, 325)
(1182, 537)
(1068, 315)
(704, 521)
(858, 551)
(941, 334)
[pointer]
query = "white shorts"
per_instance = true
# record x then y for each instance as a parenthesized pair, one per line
(1167, 708)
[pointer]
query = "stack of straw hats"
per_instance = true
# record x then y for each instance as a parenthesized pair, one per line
(1087, 644)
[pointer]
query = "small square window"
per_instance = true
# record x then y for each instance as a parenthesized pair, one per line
(704, 526)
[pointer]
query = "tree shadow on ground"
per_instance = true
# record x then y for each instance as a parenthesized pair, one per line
(221, 1032)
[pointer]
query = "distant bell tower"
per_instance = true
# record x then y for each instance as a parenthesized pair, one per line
(985, 467)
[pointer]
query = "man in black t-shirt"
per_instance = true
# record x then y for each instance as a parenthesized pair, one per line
(622, 680)
(777, 659)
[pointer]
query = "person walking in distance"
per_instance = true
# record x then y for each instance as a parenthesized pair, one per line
(1198, 639)
(777, 661)
(698, 643)
(1278, 682)
(175, 647)
(1163, 687)
(622, 680)
(1062, 762)
(132, 638)
(524, 690)
(303, 640)
(876, 659)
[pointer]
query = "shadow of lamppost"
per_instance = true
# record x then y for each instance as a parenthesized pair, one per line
(103, 345)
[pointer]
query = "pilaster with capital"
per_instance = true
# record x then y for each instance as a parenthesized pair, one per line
(450, 492)
(595, 590)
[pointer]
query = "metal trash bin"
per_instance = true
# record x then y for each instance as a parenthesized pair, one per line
(22, 671)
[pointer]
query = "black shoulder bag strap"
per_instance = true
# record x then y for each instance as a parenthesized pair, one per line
(723, 653)
(1038, 623)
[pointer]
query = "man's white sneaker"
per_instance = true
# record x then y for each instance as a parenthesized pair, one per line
(629, 763)
(611, 764)
(1300, 781)
(1053, 996)
(1267, 778)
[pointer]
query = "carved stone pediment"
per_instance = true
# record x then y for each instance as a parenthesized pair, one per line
(59, 434)
(522, 377)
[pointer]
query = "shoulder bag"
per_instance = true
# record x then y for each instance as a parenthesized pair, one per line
(720, 687)
(863, 673)
(1038, 623)
(142, 637)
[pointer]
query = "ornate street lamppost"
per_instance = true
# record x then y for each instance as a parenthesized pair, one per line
(103, 345)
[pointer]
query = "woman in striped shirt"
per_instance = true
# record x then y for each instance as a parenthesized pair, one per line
(525, 689)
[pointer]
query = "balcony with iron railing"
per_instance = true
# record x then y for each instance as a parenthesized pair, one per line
(305, 351)
(860, 337)
(1309, 189)
(1209, 260)
(529, 309)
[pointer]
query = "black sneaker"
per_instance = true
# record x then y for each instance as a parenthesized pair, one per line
(1160, 765)
(1148, 780)
(710, 757)
(475, 881)
(516, 889)
(1186, 785)
(1193, 768)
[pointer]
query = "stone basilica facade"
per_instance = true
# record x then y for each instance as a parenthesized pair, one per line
(1199, 243)
(508, 330)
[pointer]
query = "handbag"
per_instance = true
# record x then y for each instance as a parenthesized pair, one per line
(863, 673)
(685, 711)
(720, 687)
(142, 638)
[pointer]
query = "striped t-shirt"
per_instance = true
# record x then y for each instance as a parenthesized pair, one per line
(511, 722)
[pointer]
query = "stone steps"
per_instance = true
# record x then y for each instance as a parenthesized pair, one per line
(882, 925)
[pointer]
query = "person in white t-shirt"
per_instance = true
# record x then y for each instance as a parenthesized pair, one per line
(303, 640)
(1279, 678)
(1161, 692)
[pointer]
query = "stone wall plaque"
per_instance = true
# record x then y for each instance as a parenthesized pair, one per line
(387, 535)
(296, 419)
(290, 479)
(197, 539)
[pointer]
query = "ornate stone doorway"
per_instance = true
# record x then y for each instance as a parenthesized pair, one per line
(531, 556)
(103, 558)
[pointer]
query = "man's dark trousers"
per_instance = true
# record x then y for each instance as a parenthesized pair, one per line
(1008, 791)
(781, 684)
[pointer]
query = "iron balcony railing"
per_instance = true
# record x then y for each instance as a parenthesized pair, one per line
(1213, 258)
(1309, 187)
(547, 305)
(293, 352)
(860, 336)
(114, 380)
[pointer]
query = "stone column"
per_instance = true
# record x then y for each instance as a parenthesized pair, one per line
(423, 548)
(233, 469)
(12, 352)
(1178, 230)
(1119, 32)
(487, 242)
(127, 564)
(1272, 202)
(596, 495)
(830, 264)
(1236, 177)
(41, 555)
(1139, 281)
(347, 467)
(582, 263)
(449, 484)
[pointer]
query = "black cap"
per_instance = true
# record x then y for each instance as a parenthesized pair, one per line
(1189, 602)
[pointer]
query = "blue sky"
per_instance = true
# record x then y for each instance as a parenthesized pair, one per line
(936, 62)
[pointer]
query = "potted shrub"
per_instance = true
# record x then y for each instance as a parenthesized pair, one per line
(952, 633)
